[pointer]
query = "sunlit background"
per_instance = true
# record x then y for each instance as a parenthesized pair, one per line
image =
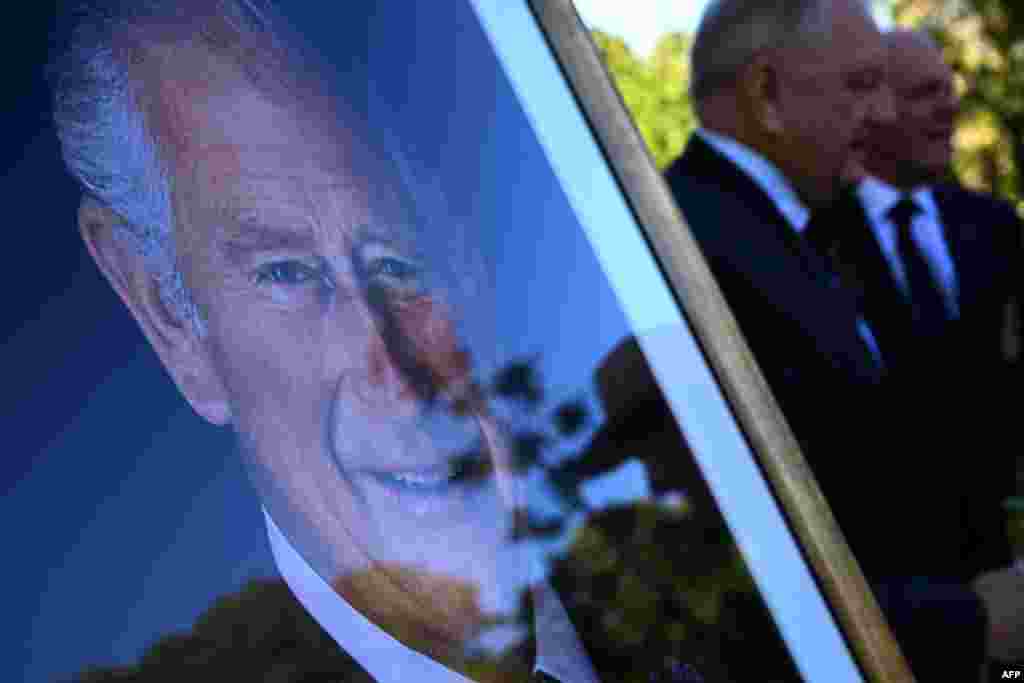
(641, 23)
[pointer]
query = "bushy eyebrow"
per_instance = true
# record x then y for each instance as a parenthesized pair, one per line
(248, 238)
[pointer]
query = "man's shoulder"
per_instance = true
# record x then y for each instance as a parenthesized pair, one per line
(975, 215)
(707, 186)
(968, 200)
(692, 186)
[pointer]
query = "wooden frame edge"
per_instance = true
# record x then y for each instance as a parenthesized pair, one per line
(745, 388)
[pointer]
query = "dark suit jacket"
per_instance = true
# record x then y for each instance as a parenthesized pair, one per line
(887, 457)
(984, 238)
(966, 369)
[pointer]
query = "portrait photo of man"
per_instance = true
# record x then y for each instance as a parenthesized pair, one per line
(269, 254)
(359, 286)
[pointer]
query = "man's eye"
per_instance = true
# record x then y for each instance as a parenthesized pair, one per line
(928, 91)
(288, 273)
(395, 274)
(864, 82)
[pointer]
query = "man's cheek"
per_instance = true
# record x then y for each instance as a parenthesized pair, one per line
(263, 374)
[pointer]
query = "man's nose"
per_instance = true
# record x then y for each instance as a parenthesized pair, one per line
(949, 104)
(881, 109)
(388, 379)
(363, 355)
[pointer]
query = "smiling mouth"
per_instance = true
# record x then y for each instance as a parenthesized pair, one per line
(426, 479)
(457, 472)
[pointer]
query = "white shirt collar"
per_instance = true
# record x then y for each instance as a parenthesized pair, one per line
(764, 173)
(878, 197)
(559, 652)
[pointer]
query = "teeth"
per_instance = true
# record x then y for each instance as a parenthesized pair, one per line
(424, 478)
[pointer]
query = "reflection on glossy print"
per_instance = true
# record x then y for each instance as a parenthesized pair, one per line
(433, 510)
(306, 318)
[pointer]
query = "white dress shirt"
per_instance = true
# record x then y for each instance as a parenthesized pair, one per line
(559, 651)
(773, 183)
(926, 230)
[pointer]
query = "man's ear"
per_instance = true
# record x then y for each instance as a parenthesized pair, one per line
(760, 93)
(171, 335)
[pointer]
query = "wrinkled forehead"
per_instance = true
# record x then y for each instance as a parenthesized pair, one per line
(913, 63)
(197, 100)
(234, 148)
(220, 172)
(328, 193)
(265, 154)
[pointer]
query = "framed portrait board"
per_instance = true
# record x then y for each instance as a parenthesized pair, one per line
(415, 374)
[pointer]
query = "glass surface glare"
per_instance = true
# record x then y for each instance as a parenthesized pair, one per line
(417, 316)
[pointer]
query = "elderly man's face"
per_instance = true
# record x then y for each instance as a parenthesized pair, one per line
(337, 358)
(829, 97)
(920, 137)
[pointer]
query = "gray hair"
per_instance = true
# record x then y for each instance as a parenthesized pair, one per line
(733, 32)
(106, 141)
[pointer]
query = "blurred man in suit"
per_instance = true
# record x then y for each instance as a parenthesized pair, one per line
(912, 213)
(938, 268)
(785, 95)
(933, 259)
(788, 95)
(266, 244)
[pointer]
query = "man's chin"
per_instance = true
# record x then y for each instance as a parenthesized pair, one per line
(434, 614)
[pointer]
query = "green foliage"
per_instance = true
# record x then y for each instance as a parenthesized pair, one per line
(654, 90)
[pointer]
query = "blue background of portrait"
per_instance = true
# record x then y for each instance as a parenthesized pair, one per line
(124, 515)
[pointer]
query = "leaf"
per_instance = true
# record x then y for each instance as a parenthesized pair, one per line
(570, 417)
(520, 380)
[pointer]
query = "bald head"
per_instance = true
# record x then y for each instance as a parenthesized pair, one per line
(915, 147)
(796, 80)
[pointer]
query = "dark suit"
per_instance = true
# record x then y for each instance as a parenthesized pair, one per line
(896, 491)
(964, 366)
